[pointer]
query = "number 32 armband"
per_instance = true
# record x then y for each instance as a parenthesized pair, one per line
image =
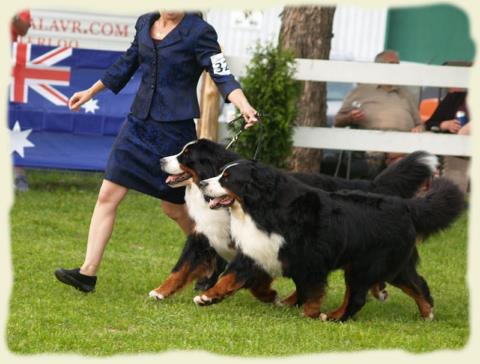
(219, 65)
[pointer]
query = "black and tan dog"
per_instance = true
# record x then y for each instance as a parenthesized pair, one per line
(283, 227)
(210, 244)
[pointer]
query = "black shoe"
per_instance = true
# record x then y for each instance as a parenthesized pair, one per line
(74, 278)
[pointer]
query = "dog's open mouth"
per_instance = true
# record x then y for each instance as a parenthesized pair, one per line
(175, 179)
(222, 201)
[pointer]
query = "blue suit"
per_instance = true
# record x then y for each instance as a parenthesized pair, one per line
(171, 69)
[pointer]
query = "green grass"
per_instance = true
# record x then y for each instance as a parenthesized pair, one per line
(49, 229)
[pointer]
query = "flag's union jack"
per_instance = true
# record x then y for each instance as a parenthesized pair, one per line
(39, 74)
(45, 133)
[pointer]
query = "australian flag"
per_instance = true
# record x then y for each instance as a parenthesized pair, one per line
(44, 133)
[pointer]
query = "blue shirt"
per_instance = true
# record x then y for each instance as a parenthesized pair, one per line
(171, 69)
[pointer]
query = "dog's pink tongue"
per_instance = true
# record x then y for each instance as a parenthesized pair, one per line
(170, 179)
(214, 202)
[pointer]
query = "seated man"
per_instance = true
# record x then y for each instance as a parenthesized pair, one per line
(385, 107)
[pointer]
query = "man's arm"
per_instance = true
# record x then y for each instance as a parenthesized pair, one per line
(347, 114)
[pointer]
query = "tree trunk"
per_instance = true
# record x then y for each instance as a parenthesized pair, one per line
(307, 30)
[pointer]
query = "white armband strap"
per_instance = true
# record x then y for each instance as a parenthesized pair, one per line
(219, 65)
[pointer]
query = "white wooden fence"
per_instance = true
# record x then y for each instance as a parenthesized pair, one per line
(374, 73)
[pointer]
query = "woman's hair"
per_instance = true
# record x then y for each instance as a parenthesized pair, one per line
(197, 13)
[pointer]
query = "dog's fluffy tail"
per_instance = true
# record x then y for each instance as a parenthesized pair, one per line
(405, 177)
(439, 208)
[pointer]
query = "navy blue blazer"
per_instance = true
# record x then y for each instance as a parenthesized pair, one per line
(171, 69)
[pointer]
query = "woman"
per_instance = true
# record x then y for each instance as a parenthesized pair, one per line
(443, 118)
(171, 49)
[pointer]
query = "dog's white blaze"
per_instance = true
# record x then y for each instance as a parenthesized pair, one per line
(215, 224)
(171, 165)
(430, 160)
(213, 188)
(263, 248)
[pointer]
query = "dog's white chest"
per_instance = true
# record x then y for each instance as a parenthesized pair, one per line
(261, 247)
(214, 224)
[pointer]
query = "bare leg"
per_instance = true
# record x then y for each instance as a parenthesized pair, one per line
(101, 225)
(179, 214)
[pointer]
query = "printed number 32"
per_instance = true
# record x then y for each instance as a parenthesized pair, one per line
(220, 67)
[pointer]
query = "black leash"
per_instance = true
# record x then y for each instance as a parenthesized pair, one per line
(237, 135)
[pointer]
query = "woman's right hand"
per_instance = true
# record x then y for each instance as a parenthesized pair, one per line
(452, 126)
(78, 99)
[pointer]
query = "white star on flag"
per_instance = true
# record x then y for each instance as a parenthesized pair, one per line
(19, 139)
(90, 106)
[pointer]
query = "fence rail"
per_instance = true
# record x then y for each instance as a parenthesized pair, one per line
(375, 140)
(411, 74)
(374, 73)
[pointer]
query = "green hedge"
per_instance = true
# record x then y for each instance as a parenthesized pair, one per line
(271, 90)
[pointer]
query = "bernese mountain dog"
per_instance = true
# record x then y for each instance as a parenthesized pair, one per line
(284, 227)
(210, 245)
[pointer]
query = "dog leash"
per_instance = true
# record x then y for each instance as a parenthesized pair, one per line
(237, 135)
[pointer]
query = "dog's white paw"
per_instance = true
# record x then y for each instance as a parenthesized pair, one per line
(202, 300)
(323, 317)
(156, 295)
(430, 317)
(383, 295)
(278, 301)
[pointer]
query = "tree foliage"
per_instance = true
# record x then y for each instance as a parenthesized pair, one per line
(271, 89)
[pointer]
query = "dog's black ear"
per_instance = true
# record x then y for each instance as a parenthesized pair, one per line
(264, 177)
(261, 184)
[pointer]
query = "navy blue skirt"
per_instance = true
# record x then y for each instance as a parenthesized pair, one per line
(134, 158)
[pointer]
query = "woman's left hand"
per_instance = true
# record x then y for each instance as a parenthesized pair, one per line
(248, 112)
(250, 116)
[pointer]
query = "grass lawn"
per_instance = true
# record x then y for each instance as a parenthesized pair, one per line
(49, 229)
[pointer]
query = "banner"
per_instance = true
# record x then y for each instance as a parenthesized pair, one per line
(80, 30)
(44, 132)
